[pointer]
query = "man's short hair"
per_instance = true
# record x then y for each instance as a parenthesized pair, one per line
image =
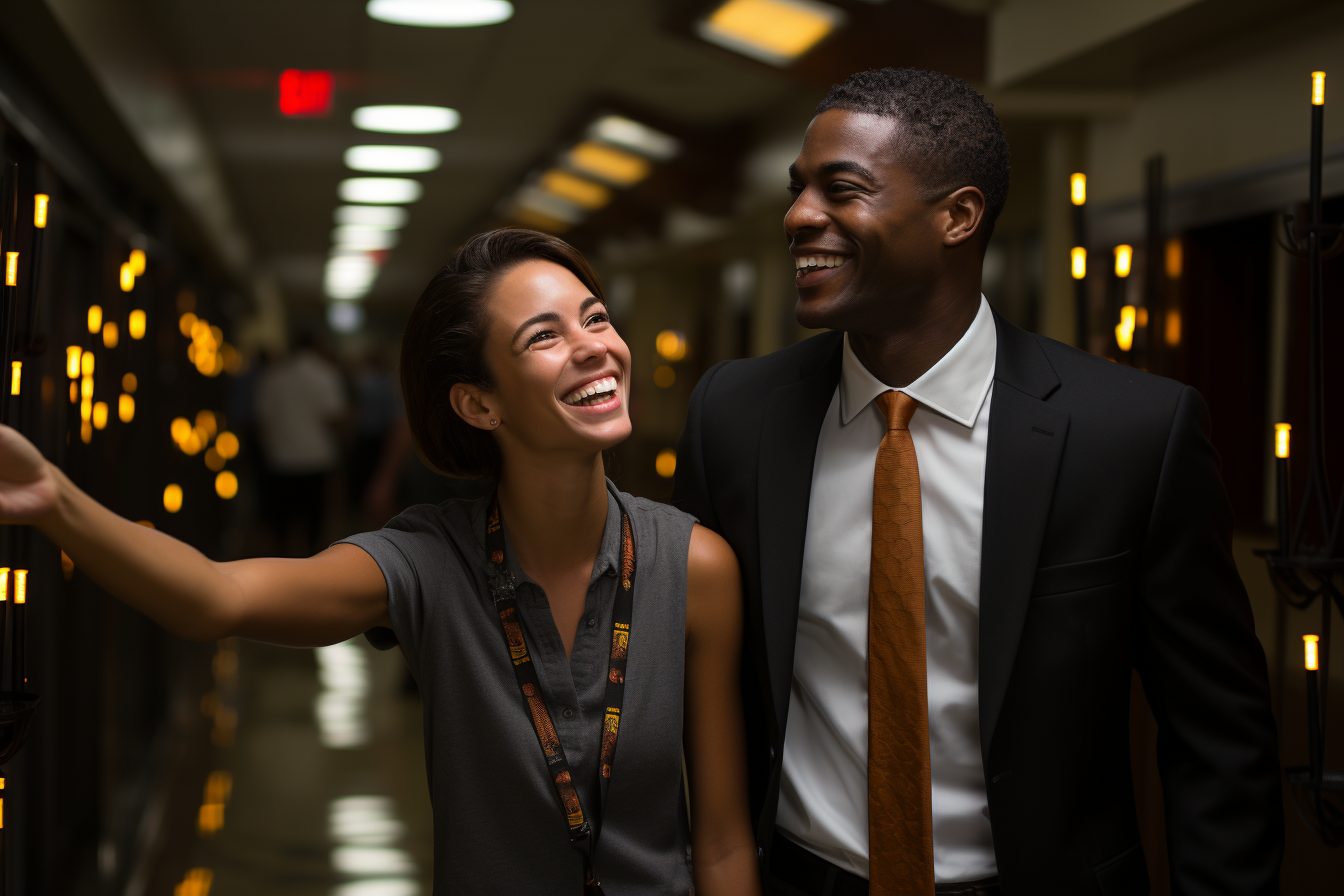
(949, 133)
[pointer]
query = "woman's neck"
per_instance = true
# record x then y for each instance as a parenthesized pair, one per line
(555, 510)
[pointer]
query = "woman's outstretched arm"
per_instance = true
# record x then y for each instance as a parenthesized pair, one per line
(321, 600)
(723, 849)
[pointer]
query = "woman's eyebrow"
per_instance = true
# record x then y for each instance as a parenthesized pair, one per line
(590, 301)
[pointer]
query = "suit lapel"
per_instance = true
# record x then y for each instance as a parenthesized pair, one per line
(1026, 443)
(794, 413)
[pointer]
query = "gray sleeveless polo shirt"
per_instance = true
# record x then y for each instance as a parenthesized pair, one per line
(498, 826)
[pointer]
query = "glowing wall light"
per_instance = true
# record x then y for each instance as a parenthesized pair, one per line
(4, 583)
(15, 377)
(186, 323)
(86, 364)
(1124, 259)
(226, 484)
(126, 408)
(440, 13)
(1124, 331)
(1318, 88)
(137, 262)
(1078, 188)
(11, 269)
(1078, 262)
(40, 203)
(664, 376)
(95, 318)
(1172, 331)
(127, 277)
(606, 163)
(775, 32)
(20, 586)
(180, 429)
(666, 463)
(578, 190)
(72, 365)
(671, 345)
(305, 93)
(129, 382)
(1281, 435)
(172, 498)
(406, 119)
(86, 390)
(1175, 260)
(100, 415)
(1310, 648)
(226, 443)
(135, 325)
(111, 335)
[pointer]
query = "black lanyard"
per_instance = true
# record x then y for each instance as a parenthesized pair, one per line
(503, 591)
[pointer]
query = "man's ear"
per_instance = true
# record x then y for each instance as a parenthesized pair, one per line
(474, 405)
(965, 209)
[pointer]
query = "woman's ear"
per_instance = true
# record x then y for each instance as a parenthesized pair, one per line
(474, 405)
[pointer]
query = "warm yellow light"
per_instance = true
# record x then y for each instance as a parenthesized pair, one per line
(671, 345)
(11, 269)
(126, 407)
(86, 363)
(1142, 317)
(666, 463)
(1281, 431)
(1078, 262)
(572, 188)
(1124, 331)
(129, 382)
(72, 365)
(226, 484)
(86, 410)
(773, 31)
(172, 498)
(210, 819)
(186, 323)
(206, 420)
(40, 203)
(1309, 647)
(137, 261)
(213, 460)
(74, 391)
(1175, 258)
(86, 388)
(20, 586)
(15, 377)
(95, 318)
(664, 376)
(86, 432)
(226, 443)
(218, 787)
(136, 324)
(1124, 258)
(536, 220)
(100, 415)
(1078, 188)
(180, 429)
(127, 277)
(111, 336)
(1318, 88)
(1173, 329)
(4, 583)
(606, 163)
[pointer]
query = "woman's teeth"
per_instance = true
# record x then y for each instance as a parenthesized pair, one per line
(592, 393)
(808, 263)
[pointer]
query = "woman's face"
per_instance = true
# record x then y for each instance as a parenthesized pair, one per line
(561, 371)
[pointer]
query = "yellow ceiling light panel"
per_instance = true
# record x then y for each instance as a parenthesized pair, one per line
(614, 166)
(538, 221)
(578, 190)
(772, 31)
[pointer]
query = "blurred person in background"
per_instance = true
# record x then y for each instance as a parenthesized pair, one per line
(300, 407)
(571, 642)
(378, 411)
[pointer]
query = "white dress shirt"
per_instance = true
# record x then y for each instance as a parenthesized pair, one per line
(823, 801)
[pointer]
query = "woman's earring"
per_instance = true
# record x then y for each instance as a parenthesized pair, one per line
(494, 422)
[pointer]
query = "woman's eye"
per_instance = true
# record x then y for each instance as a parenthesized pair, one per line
(598, 318)
(541, 336)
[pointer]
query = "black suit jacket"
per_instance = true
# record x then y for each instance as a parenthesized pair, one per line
(1106, 549)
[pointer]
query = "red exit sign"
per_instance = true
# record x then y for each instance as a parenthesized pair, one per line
(305, 93)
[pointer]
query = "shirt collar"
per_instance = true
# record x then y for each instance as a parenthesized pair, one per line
(955, 386)
(608, 560)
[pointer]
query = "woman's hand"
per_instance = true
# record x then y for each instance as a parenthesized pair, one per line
(28, 488)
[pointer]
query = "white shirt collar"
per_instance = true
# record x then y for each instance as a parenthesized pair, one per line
(955, 386)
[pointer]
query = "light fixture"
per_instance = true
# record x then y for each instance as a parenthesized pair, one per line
(1078, 188)
(135, 325)
(664, 376)
(1318, 88)
(226, 443)
(607, 163)
(380, 190)
(305, 94)
(40, 203)
(440, 13)
(345, 317)
(180, 429)
(1310, 646)
(1124, 258)
(775, 32)
(100, 415)
(137, 261)
(95, 318)
(129, 382)
(538, 200)
(406, 119)
(629, 134)
(172, 498)
(126, 408)
(392, 159)
(72, 353)
(1124, 331)
(526, 217)
(671, 345)
(389, 217)
(111, 336)
(357, 238)
(126, 277)
(20, 586)
(186, 323)
(86, 363)
(1173, 328)
(572, 188)
(349, 276)
(11, 269)
(15, 377)
(1175, 258)
(1078, 262)
(666, 463)
(1281, 435)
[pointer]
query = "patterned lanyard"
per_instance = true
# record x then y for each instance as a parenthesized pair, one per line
(503, 592)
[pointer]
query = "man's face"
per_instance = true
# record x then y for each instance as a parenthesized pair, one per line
(864, 216)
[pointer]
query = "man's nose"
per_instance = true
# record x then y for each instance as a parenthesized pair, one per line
(804, 214)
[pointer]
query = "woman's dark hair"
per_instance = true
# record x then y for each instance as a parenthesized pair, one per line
(446, 334)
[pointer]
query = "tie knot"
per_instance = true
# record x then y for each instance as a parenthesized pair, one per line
(898, 409)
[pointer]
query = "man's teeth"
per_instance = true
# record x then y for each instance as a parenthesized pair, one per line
(818, 261)
(596, 387)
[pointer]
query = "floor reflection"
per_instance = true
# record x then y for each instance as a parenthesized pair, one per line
(326, 780)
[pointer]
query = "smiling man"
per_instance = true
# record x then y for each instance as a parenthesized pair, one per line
(957, 540)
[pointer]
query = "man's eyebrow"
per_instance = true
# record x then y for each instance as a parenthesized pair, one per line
(793, 173)
(844, 167)
(534, 319)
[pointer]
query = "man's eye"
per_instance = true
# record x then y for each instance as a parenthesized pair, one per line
(842, 186)
(795, 190)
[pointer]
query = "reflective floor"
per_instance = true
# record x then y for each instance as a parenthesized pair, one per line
(325, 792)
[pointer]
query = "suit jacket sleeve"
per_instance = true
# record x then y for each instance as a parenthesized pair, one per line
(690, 489)
(1203, 672)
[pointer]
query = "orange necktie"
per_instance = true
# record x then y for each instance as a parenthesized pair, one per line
(900, 809)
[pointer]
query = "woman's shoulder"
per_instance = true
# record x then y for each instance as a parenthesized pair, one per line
(457, 522)
(655, 511)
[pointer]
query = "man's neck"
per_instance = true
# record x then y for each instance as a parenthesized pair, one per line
(900, 355)
(555, 509)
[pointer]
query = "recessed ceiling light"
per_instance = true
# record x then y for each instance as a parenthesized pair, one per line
(578, 190)
(406, 119)
(440, 13)
(364, 239)
(380, 190)
(772, 31)
(615, 166)
(345, 316)
(630, 134)
(394, 159)
(389, 216)
(348, 275)
(538, 200)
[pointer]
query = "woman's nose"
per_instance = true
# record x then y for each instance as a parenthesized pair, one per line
(589, 349)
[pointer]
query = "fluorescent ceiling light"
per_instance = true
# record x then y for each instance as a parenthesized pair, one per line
(380, 189)
(379, 886)
(359, 238)
(607, 163)
(406, 119)
(388, 216)
(349, 276)
(371, 861)
(538, 200)
(440, 13)
(392, 159)
(344, 316)
(575, 189)
(629, 134)
(771, 31)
